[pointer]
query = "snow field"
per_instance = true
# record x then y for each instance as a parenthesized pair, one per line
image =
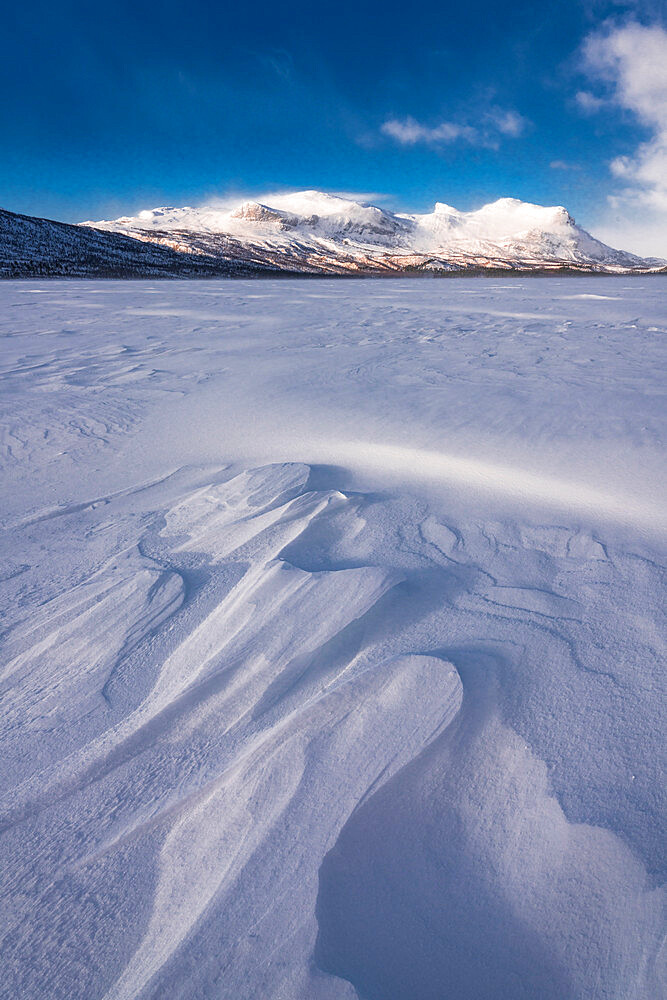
(333, 662)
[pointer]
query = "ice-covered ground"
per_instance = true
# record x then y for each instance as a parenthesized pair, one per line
(333, 640)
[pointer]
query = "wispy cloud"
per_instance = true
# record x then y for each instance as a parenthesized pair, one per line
(587, 102)
(631, 60)
(409, 132)
(564, 165)
(278, 61)
(508, 122)
(493, 125)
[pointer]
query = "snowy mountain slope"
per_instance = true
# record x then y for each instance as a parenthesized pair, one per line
(31, 246)
(318, 232)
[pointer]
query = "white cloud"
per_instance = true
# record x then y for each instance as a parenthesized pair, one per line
(409, 132)
(564, 165)
(632, 60)
(508, 122)
(495, 123)
(587, 102)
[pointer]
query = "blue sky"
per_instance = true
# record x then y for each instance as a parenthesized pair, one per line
(111, 108)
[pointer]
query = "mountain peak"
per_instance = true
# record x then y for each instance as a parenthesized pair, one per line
(254, 211)
(442, 208)
(526, 211)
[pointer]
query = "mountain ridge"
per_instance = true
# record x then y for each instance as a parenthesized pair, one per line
(312, 233)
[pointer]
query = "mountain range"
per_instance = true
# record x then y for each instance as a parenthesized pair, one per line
(311, 232)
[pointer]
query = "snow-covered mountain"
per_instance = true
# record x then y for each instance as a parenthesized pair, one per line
(310, 232)
(315, 232)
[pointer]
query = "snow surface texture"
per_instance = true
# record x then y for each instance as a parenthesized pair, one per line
(333, 640)
(318, 232)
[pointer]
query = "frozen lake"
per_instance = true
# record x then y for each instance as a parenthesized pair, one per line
(333, 639)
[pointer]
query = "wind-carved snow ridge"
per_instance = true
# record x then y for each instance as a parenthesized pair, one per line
(277, 730)
(315, 232)
(261, 723)
(235, 813)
